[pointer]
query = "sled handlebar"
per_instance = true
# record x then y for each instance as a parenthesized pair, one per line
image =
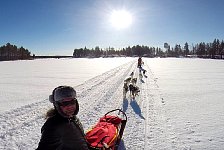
(119, 110)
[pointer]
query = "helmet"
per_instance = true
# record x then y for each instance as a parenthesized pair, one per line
(58, 94)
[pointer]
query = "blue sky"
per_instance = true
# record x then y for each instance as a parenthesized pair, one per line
(57, 27)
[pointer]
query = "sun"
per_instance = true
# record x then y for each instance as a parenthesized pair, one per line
(121, 19)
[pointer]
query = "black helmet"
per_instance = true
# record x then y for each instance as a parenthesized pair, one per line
(61, 92)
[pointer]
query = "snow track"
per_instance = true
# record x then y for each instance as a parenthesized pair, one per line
(102, 94)
(146, 124)
(17, 125)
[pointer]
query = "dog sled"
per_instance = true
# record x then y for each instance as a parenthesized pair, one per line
(108, 132)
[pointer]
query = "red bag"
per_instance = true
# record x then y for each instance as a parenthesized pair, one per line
(105, 133)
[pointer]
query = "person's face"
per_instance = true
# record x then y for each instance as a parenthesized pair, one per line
(68, 106)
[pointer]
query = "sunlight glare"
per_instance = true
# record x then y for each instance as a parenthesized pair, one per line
(121, 19)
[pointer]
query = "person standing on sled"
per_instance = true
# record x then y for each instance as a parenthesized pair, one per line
(140, 62)
(62, 129)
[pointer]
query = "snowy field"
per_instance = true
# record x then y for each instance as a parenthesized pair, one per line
(180, 106)
(25, 82)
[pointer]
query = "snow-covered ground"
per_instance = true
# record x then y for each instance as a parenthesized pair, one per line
(25, 82)
(180, 105)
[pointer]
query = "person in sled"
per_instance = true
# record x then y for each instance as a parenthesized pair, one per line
(140, 63)
(62, 129)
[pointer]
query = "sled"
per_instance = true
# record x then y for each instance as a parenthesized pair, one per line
(108, 132)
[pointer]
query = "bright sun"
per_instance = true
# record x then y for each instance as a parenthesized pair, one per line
(120, 19)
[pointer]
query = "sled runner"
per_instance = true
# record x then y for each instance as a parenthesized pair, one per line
(107, 133)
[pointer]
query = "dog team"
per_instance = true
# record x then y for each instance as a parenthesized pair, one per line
(130, 86)
(130, 83)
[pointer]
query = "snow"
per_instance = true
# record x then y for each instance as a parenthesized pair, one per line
(180, 105)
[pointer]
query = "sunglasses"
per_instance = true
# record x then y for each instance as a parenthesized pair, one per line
(68, 103)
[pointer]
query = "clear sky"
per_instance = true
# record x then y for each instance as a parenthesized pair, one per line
(57, 27)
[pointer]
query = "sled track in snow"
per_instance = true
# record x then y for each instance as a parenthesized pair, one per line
(145, 103)
(148, 125)
(16, 125)
(158, 132)
(104, 93)
(137, 112)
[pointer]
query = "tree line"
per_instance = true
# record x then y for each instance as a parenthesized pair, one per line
(112, 52)
(12, 52)
(214, 50)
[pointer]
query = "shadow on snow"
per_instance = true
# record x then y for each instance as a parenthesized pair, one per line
(134, 106)
(125, 104)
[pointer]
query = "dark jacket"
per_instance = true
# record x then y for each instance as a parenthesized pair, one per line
(59, 133)
(139, 62)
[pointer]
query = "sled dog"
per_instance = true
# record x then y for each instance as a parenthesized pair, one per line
(125, 89)
(134, 81)
(128, 80)
(134, 90)
(132, 74)
(130, 85)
